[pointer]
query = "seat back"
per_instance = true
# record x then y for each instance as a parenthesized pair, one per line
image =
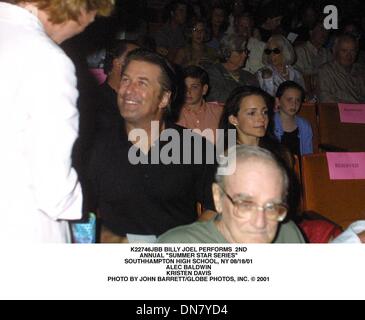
(347, 136)
(342, 201)
(309, 112)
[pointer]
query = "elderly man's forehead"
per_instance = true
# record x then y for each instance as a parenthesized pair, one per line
(348, 43)
(247, 165)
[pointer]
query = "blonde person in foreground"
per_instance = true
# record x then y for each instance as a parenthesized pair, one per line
(39, 120)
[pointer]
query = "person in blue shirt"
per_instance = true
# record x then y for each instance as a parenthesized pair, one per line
(290, 129)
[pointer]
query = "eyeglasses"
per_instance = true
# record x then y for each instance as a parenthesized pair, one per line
(245, 208)
(274, 50)
(198, 30)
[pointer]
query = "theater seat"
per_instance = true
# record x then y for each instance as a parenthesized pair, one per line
(342, 201)
(334, 133)
(309, 112)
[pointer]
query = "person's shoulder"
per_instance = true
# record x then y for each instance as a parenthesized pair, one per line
(302, 121)
(289, 233)
(197, 232)
(326, 67)
(359, 68)
(302, 46)
(182, 234)
(213, 68)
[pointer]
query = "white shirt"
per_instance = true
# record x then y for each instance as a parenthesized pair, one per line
(38, 126)
(350, 234)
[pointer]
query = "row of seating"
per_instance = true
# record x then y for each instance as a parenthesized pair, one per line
(341, 201)
(329, 133)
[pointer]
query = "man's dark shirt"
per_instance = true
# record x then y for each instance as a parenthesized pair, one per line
(107, 114)
(144, 198)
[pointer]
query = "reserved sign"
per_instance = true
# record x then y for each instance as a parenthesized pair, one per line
(352, 113)
(346, 165)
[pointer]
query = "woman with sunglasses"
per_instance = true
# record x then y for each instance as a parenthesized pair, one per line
(278, 58)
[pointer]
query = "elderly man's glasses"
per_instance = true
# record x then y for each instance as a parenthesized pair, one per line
(245, 208)
(274, 50)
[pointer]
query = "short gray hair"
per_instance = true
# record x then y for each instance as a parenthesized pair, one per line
(286, 47)
(241, 153)
(230, 43)
(344, 38)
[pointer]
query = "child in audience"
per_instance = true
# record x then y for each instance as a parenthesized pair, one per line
(196, 112)
(290, 129)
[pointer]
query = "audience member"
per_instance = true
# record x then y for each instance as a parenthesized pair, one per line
(197, 113)
(217, 25)
(278, 59)
(228, 74)
(342, 80)
(251, 204)
(248, 111)
(171, 36)
(197, 52)
(270, 16)
(292, 130)
(312, 54)
(244, 28)
(133, 181)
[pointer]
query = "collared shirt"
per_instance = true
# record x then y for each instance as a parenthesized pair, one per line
(309, 58)
(146, 199)
(335, 84)
(206, 117)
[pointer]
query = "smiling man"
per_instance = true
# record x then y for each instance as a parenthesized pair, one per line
(147, 198)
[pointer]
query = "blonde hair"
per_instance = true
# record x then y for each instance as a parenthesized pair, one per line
(286, 47)
(63, 10)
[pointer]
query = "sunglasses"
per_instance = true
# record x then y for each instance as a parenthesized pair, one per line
(269, 51)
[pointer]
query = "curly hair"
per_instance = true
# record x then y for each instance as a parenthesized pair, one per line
(63, 10)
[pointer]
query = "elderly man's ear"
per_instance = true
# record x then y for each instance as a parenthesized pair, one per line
(217, 197)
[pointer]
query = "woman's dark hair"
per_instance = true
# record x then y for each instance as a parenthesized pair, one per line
(290, 85)
(268, 141)
(232, 105)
